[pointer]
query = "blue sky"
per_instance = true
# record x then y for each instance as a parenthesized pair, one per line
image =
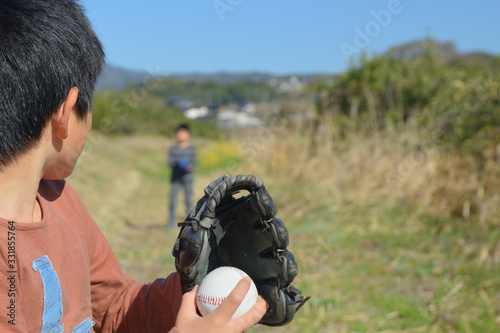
(280, 36)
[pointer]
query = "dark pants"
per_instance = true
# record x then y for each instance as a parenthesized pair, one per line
(185, 181)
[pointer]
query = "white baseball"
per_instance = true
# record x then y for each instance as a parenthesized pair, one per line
(217, 285)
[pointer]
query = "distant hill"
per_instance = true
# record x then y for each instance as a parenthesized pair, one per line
(446, 51)
(224, 77)
(414, 49)
(118, 78)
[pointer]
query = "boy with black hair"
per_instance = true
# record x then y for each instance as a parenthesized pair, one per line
(182, 160)
(57, 272)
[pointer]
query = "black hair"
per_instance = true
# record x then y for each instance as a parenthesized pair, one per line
(46, 48)
(181, 127)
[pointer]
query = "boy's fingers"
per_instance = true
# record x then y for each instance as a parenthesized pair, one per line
(229, 306)
(254, 315)
(188, 305)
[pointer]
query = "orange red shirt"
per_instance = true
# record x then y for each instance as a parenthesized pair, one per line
(59, 274)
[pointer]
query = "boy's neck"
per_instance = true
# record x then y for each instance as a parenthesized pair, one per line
(182, 144)
(19, 183)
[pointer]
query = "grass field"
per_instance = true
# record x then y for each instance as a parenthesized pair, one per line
(370, 265)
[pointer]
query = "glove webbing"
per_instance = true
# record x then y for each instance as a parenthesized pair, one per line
(206, 213)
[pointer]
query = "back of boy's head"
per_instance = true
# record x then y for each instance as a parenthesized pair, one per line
(46, 48)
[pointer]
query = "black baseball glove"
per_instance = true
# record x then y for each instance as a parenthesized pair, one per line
(224, 231)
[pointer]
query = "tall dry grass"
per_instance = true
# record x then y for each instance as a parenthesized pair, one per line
(395, 167)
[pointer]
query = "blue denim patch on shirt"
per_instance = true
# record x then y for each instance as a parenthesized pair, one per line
(52, 296)
(52, 300)
(84, 326)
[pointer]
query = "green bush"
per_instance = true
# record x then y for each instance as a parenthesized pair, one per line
(454, 102)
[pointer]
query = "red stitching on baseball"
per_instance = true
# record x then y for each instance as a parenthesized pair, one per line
(210, 299)
(239, 271)
(218, 300)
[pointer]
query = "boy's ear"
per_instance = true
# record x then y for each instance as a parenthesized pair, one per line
(60, 120)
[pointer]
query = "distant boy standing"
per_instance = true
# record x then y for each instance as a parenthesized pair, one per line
(182, 160)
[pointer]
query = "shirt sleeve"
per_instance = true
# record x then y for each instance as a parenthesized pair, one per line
(171, 160)
(120, 304)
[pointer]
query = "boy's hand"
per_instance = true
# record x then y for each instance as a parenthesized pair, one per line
(220, 319)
